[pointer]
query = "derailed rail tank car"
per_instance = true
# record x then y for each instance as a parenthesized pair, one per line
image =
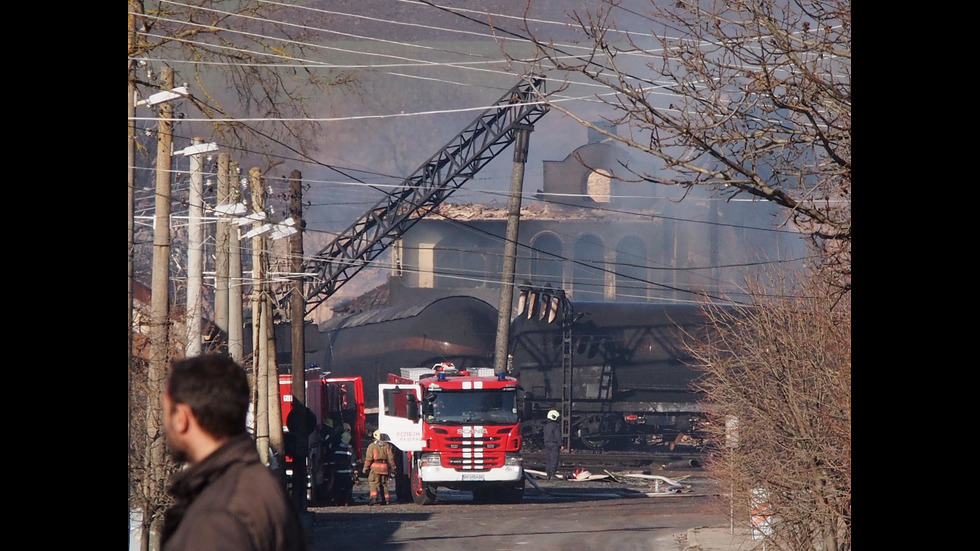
(371, 344)
(631, 384)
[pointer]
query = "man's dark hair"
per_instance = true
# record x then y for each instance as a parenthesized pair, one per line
(216, 389)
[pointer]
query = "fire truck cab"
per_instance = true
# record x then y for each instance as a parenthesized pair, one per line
(453, 429)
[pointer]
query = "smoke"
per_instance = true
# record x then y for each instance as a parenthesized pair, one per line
(419, 76)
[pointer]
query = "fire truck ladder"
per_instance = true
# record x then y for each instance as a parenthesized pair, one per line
(422, 192)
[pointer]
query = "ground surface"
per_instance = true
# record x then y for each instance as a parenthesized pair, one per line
(559, 514)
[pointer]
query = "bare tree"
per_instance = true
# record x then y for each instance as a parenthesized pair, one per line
(744, 97)
(747, 98)
(252, 61)
(248, 65)
(148, 469)
(778, 389)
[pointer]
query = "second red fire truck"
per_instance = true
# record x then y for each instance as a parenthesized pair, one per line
(326, 397)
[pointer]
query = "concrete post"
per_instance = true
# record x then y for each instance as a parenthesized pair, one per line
(504, 306)
(221, 252)
(260, 362)
(195, 252)
(236, 283)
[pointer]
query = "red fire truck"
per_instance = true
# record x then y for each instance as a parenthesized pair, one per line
(453, 429)
(327, 397)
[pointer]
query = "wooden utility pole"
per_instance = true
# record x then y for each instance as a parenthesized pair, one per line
(297, 313)
(160, 311)
(131, 205)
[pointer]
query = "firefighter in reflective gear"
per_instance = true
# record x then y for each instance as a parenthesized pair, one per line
(330, 431)
(379, 464)
(342, 470)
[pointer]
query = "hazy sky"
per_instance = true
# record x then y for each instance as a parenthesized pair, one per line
(421, 75)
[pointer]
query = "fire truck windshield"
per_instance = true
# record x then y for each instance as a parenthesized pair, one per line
(485, 407)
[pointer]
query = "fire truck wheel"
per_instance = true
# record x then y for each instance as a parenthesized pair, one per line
(422, 494)
(514, 494)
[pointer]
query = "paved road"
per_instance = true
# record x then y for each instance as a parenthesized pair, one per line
(559, 515)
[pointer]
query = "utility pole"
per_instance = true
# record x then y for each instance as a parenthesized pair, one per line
(274, 401)
(160, 308)
(195, 243)
(221, 253)
(504, 307)
(195, 252)
(259, 340)
(236, 282)
(297, 311)
(131, 204)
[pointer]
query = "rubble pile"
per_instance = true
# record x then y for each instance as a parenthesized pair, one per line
(532, 211)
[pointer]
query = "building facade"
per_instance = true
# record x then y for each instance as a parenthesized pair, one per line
(594, 231)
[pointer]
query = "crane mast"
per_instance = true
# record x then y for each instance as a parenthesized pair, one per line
(423, 191)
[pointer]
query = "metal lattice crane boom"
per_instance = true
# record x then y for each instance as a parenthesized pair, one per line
(423, 191)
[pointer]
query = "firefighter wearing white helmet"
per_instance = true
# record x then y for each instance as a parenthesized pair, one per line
(552, 443)
(379, 464)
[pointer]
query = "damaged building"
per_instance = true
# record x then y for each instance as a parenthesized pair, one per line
(590, 229)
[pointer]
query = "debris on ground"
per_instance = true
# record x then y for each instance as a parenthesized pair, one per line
(579, 475)
(584, 475)
(669, 485)
(612, 476)
(540, 474)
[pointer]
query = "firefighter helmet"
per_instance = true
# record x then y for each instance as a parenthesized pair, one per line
(553, 415)
(377, 435)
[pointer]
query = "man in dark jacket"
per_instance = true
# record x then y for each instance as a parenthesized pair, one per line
(226, 499)
(298, 411)
(552, 443)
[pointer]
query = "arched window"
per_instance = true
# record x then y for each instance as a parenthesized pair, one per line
(599, 186)
(588, 272)
(631, 269)
(546, 260)
(459, 264)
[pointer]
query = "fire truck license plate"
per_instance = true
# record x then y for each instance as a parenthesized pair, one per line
(472, 477)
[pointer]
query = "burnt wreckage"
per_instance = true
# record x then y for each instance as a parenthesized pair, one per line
(629, 386)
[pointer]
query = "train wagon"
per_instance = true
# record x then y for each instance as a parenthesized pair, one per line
(458, 329)
(631, 384)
